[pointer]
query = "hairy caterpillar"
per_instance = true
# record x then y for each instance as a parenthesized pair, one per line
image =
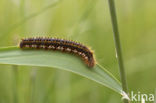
(61, 45)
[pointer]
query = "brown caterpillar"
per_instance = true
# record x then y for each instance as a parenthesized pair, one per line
(61, 45)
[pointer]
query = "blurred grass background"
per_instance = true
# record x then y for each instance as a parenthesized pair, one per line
(88, 22)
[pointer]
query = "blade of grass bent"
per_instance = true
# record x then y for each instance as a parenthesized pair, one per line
(63, 61)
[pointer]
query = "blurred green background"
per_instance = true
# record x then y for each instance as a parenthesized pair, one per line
(87, 21)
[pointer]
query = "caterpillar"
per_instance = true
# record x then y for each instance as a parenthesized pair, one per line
(61, 45)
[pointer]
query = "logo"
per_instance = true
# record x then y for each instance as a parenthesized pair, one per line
(142, 97)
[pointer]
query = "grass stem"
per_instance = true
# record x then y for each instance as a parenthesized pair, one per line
(118, 47)
(15, 83)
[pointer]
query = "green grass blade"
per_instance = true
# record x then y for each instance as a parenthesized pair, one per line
(63, 61)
